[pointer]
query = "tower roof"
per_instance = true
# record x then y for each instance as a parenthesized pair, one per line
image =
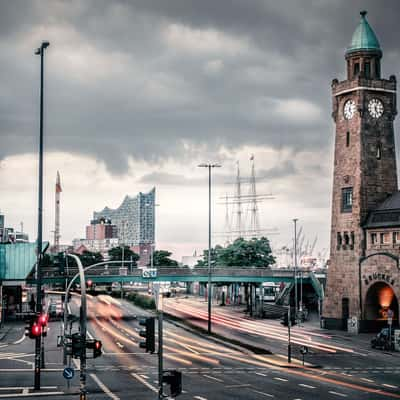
(364, 37)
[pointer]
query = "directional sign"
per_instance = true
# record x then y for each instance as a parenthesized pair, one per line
(68, 373)
(303, 349)
(149, 273)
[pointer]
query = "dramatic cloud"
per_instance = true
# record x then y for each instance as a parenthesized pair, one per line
(147, 89)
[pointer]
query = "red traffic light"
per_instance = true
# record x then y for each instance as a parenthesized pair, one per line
(36, 330)
(97, 345)
(89, 283)
(43, 319)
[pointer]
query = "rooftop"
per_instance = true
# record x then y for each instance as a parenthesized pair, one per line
(364, 37)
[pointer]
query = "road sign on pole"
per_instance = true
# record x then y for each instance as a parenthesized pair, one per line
(68, 373)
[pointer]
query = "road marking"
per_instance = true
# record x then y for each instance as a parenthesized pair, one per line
(212, 377)
(240, 385)
(104, 388)
(25, 391)
(199, 398)
(144, 376)
(145, 383)
(20, 340)
(367, 380)
(390, 386)
(306, 386)
(8, 396)
(259, 373)
(338, 394)
(280, 379)
(262, 393)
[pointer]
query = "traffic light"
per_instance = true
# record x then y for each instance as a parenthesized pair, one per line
(285, 320)
(42, 321)
(76, 345)
(35, 331)
(149, 334)
(60, 261)
(96, 345)
(174, 379)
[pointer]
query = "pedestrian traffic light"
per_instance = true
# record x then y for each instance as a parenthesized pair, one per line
(96, 345)
(174, 379)
(149, 334)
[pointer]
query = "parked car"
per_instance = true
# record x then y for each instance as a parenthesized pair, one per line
(384, 339)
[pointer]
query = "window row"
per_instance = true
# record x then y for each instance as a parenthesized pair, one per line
(345, 240)
(385, 238)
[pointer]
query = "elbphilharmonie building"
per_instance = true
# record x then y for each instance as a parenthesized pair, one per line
(134, 218)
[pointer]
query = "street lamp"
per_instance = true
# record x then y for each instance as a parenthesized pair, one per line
(40, 51)
(295, 266)
(209, 166)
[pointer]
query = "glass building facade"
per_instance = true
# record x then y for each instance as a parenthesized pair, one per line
(134, 218)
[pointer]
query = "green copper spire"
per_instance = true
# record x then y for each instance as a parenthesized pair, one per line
(364, 37)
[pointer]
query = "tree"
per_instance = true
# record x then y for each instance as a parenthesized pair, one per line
(241, 253)
(161, 258)
(88, 258)
(115, 254)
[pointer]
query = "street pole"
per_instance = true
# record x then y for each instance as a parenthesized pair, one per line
(38, 341)
(289, 353)
(295, 266)
(160, 346)
(209, 284)
(83, 322)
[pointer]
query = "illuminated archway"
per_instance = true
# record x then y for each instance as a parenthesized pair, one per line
(379, 299)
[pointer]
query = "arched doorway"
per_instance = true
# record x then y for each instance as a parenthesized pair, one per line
(379, 299)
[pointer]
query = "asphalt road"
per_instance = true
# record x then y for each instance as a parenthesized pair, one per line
(211, 368)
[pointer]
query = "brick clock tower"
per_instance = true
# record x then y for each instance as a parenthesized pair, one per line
(364, 108)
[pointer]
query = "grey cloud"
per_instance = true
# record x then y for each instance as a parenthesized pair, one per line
(114, 90)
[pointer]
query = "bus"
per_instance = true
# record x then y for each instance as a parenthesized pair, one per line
(270, 291)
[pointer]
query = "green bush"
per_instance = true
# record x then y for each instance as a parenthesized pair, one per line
(140, 300)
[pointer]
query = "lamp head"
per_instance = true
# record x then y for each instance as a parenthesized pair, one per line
(37, 51)
(45, 44)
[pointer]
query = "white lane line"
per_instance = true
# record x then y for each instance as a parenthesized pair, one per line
(25, 391)
(199, 398)
(306, 386)
(20, 340)
(104, 388)
(280, 379)
(144, 376)
(262, 393)
(8, 396)
(259, 373)
(145, 383)
(212, 377)
(25, 387)
(389, 386)
(338, 394)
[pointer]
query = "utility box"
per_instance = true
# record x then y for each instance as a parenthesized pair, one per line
(397, 339)
(352, 325)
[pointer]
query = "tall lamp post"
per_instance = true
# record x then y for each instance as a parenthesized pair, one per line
(40, 51)
(295, 266)
(209, 287)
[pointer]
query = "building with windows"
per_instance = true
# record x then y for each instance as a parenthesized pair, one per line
(363, 280)
(134, 219)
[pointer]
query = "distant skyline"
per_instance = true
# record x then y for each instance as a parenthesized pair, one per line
(138, 93)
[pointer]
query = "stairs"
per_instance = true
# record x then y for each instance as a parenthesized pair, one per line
(273, 311)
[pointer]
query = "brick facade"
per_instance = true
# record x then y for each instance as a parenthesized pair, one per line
(364, 164)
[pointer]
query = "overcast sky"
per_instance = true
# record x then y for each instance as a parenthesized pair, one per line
(138, 93)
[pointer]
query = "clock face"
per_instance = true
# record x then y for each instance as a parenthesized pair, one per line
(375, 108)
(349, 109)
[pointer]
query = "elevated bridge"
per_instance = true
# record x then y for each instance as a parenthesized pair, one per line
(110, 274)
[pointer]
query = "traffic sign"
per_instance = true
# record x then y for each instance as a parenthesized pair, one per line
(149, 273)
(390, 320)
(68, 373)
(303, 349)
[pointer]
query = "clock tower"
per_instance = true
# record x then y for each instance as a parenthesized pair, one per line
(364, 108)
